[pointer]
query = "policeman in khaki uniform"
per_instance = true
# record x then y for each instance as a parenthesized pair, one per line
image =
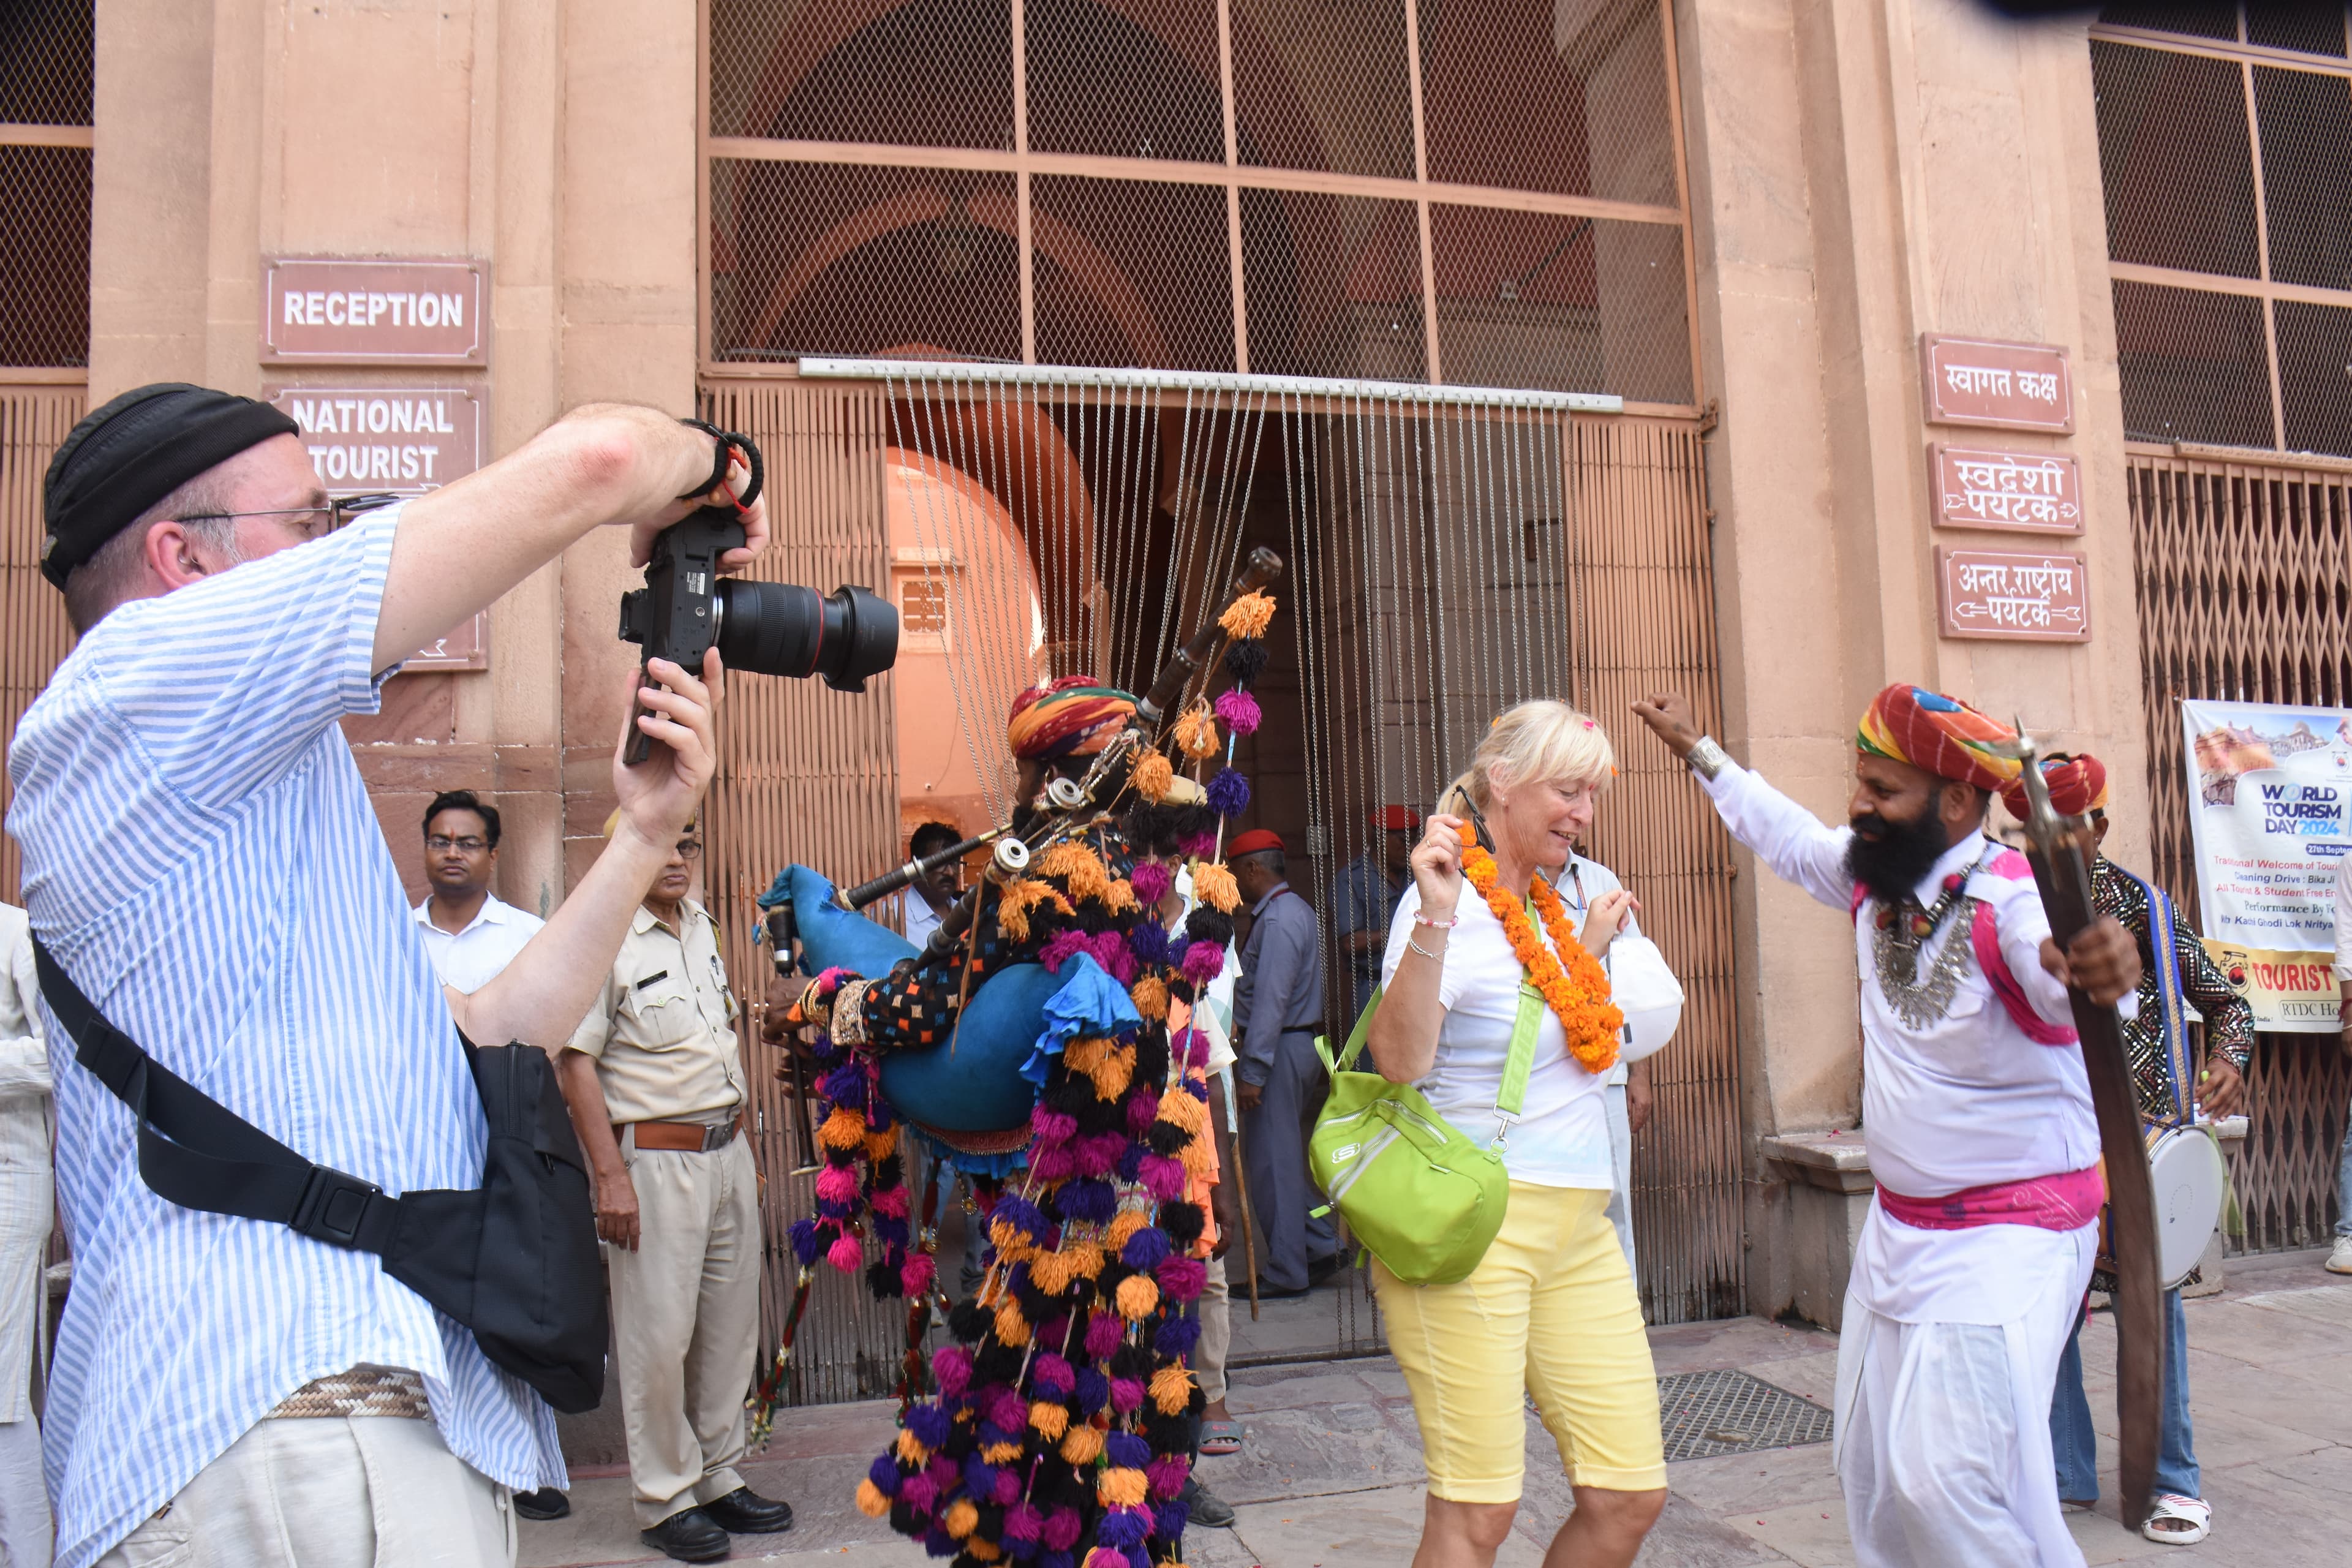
(653, 1077)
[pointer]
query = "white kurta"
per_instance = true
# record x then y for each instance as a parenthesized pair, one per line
(1952, 1337)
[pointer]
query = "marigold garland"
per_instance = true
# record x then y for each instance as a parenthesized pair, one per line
(1578, 996)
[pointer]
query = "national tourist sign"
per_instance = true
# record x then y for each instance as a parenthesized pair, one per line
(2268, 787)
(2012, 597)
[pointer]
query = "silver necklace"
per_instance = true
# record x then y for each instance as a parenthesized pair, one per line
(1920, 1000)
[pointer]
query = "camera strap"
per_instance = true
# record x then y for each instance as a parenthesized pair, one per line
(198, 1154)
(731, 445)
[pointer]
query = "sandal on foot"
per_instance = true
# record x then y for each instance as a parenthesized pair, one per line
(2195, 1517)
(1221, 1437)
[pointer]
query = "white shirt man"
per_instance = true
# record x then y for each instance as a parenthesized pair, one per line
(25, 1200)
(469, 932)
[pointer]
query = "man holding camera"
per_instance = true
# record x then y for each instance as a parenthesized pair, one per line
(655, 1079)
(220, 1383)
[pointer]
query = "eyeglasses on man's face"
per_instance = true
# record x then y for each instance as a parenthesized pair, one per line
(440, 844)
(689, 848)
(313, 520)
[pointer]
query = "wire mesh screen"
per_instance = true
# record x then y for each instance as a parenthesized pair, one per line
(44, 256)
(1181, 184)
(2243, 574)
(48, 55)
(34, 635)
(2223, 160)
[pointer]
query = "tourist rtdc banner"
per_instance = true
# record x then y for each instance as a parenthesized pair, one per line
(2268, 789)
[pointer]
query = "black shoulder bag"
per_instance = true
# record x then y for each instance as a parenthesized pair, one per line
(514, 1259)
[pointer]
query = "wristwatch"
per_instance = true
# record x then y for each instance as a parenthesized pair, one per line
(1706, 759)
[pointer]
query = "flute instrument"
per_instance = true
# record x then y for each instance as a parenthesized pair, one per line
(1261, 567)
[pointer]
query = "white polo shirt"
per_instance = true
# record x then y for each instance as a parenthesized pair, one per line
(487, 945)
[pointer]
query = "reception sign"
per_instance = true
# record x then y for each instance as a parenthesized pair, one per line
(2268, 790)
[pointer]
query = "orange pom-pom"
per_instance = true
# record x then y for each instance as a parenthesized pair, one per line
(962, 1518)
(845, 1128)
(1013, 1245)
(1119, 897)
(1114, 1073)
(1011, 1328)
(1123, 1227)
(1013, 906)
(912, 1449)
(1050, 1420)
(1085, 1258)
(1078, 867)
(1001, 1453)
(881, 1145)
(1216, 887)
(982, 1549)
(1249, 615)
(1196, 731)
(1151, 998)
(870, 1500)
(1182, 1109)
(1138, 1294)
(1153, 776)
(1122, 1488)
(1082, 1445)
(1198, 1157)
(1050, 1272)
(1087, 1052)
(1172, 1388)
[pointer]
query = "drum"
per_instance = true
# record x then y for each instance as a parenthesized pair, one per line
(2190, 1185)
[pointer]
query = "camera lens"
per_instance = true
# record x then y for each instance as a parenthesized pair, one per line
(782, 629)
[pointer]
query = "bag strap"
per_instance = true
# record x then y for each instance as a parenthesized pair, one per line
(196, 1153)
(1519, 1062)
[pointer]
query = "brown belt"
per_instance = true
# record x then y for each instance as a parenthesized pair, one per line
(680, 1137)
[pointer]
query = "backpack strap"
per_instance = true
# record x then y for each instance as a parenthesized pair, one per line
(196, 1153)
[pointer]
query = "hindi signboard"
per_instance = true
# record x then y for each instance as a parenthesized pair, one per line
(2012, 597)
(2025, 492)
(2268, 788)
(2007, 386)
(336, 310)
(400, 440)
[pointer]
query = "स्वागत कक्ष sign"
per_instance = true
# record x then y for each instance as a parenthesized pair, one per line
(2268, 788)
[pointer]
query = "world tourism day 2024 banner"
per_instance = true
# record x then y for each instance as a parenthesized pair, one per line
(2268, 791)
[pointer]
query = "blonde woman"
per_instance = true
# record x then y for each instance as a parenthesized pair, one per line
(1551, 1307)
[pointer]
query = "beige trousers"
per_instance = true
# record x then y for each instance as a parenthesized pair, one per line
(344, 1491)
(1216, 1334)
(685, 1324)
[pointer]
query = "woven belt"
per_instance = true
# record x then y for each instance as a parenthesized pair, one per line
(359, 1391)
(681, 1137)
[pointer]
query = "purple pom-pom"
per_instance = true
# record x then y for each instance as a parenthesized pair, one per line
(1150, 881)
(1177, 1336)
(1145, 1249)
(1203, 962)
(1103, 1332)
(1147, 941)
(979, 1475)
(884, 1473)
(1065, 946)
(845, 1085)
(890, 1229)
(1198, 845)
(1050, 1377)
(807, 1244)
(1094, 1387)
(952, 1367)
(1137, 1557)
(1229, 793)
(1172, 1517)
(1239, 710)
(1098, 1154)
(938, 1542)
(930, 1423)
(1020, 1213)
(1127, 1450)
(1130, 1163)
(1093, 1201)
(1056, 1560)
(1123, 1528)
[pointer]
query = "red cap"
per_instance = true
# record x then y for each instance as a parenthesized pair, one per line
(1254, 840)
(1397, 819)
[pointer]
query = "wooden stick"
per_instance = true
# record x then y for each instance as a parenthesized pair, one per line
(1241, 1186)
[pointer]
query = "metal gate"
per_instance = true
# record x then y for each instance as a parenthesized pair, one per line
(34, 633)
(1449, 553)
(2243, 568)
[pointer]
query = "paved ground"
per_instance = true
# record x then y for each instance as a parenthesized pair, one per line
(1332, 1469)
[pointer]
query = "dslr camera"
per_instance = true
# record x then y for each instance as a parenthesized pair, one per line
(767, 628)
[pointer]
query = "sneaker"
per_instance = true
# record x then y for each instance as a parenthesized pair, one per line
(2339, 1261)
(1206, 1507)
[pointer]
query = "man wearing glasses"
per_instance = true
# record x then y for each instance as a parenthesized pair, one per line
(655, 1079)
(470, 933)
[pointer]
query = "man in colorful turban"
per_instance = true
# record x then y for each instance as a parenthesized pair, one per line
(1073, 717)
(1973, 1260)
(2175, 969)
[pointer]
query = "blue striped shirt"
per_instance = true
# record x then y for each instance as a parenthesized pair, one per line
(201, 856)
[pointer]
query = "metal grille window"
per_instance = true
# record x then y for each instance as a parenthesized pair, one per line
(1485, 194)
(45, 76)
(2223, 140)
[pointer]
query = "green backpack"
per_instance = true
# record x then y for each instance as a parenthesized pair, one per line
(1420, 1197)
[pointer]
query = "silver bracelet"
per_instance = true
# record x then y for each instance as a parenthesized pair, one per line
(1706, 759)
(1434, 957)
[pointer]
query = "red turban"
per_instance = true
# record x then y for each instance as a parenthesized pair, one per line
(1940, 734)
(1254, 841)
(2078, 786)
(1072, 717)
(1397, 819)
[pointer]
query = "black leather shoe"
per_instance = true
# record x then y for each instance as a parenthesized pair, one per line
(1206, 1507)
(745, 1512)
(547, 1502)
(687, 1537)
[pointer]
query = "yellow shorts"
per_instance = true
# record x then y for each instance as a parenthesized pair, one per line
(1551, 1307)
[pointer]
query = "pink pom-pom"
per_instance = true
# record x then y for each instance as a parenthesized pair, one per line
(918, 1493)
(1065, 946)
(1126, 1393)
(1165, 1176)
(891, 1201)
(920, 1271)
(1107, 1557)
(1150, 881)
(830, 980)
(1061, 1530)
(1239, 710)
(1052, 1127)
(1196, 1049)
(1103, 1332)
(1099, 1154)
(1203, 962)
(1179, 1277)
(846, 1255)
(1110, 950)
(1143, 1110)
(1167, 1475)
(1051, 1165)
(1008, 1488)
(1024, 1522)
(835, 1185)
(1009, 1411)
(1198, 845)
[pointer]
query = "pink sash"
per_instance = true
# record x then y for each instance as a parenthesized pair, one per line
(2067, 1202)
(1985, 937)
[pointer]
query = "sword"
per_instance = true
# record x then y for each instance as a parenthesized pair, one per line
(2060, 850)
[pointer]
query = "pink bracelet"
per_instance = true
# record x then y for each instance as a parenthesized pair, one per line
(1422, 920)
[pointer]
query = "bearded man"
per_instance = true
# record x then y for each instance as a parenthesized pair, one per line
(1978, 1244)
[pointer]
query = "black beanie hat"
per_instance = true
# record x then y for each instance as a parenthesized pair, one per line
(125, 457)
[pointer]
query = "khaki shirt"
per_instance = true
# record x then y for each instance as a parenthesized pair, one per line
(662, 1030)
